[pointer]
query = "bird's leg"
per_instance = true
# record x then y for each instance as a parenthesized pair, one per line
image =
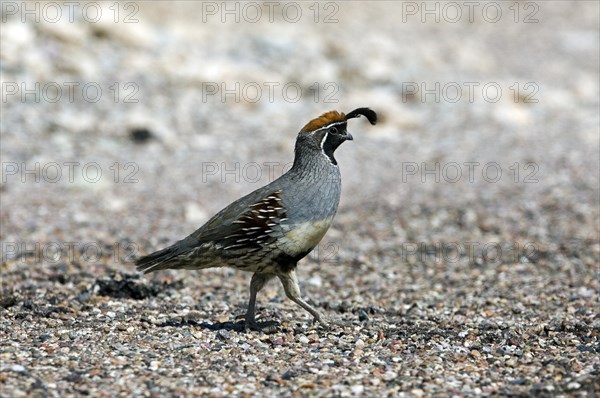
(257, 283)
(289, 281)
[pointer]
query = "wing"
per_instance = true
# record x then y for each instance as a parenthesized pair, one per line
(247, 224)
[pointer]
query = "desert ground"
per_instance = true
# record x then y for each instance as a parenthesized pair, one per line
(464, 258)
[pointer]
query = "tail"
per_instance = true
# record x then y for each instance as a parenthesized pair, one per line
(162, 259)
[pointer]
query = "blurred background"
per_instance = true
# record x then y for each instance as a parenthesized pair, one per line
(214, 90)
(126, 125)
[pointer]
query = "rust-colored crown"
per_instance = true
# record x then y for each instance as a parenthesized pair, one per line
(338, 117)
(324, 120)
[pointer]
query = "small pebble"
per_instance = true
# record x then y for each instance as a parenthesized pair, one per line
(223, 334)
(573, 386)
(303, 340)
(140, 135)
(18, 368)
(363, 316)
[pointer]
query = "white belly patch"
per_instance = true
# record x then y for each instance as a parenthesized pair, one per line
(305, 236)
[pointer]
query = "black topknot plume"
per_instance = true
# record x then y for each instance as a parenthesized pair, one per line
(366, 112)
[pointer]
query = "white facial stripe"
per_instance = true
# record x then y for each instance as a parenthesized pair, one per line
(323, 143)
(323, 148)
(328, 126)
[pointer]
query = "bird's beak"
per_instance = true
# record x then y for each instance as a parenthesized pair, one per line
(349, 137)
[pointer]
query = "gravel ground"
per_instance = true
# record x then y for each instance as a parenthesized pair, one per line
(464, 257)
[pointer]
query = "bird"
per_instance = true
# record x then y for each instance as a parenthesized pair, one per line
(270, 229)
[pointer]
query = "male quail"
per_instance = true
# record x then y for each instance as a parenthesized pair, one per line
(269, 230)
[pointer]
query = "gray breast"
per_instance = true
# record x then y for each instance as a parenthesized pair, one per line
(313, 196)
(312, 204)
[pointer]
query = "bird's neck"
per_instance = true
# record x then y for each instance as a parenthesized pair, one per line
(312, 163)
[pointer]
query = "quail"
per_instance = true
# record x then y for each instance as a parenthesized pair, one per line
(269, 230)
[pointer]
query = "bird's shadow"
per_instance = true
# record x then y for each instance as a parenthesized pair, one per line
(238, 326)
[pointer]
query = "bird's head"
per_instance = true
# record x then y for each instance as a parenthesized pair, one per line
(328, 131)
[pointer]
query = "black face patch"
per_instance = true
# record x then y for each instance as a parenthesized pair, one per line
(331, 138)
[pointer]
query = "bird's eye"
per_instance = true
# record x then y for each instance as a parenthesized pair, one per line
(333, 130)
